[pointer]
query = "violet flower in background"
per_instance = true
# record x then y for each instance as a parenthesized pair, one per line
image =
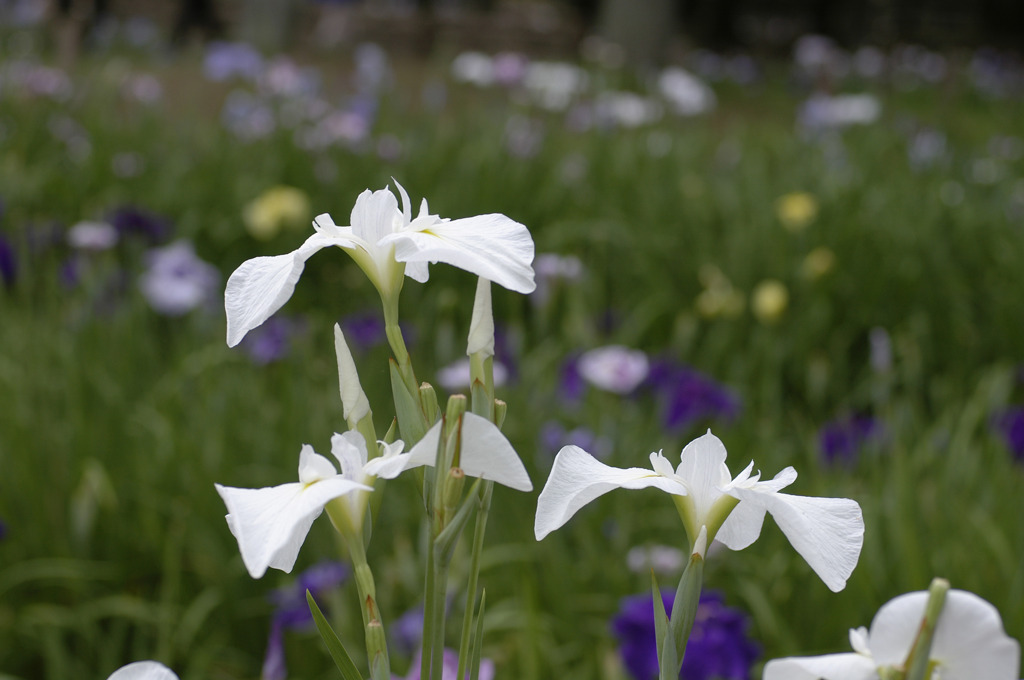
(553, 436)
(450, 668)
(177, 281)
(571, 384)
(273, 340)
(407, 631)
(690, 396)
(8, 262)
(291, 611)
(1010, 425)
(842, 439)
(614, 368)
(227, 60)
(132, 222)
(364, 331)
(719, 648)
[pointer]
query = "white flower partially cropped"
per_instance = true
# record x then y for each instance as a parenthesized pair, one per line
(827, 532)
(485, 452)
(969, 644)
(143, 670)
(387, 244)
(271, 523)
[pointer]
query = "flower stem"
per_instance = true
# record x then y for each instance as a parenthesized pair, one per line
(917, 663)
(483, 509)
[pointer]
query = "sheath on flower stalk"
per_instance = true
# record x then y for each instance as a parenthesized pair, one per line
(143, 670)
(967, 643)
(827, 532)
(388, 244)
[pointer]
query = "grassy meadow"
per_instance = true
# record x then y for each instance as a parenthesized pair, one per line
(901, 302)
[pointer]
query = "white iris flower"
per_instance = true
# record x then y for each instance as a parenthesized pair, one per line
(969, 644)
(143, 670)
(827, 532)
(387, 244)
(271, 523)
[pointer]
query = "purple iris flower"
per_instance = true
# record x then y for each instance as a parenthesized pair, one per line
(3, 530)
(1010, 424)
(718, 649)
(365, 330)
(8, 262)
(407, 631)
(131, 222)
(553, 436)
(573, 386)
(292, 611)
(272, 341)
(842, 439)
(690, 396)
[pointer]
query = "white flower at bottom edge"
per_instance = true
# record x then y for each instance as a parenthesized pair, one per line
(143, 670)
(271, 523)
(969, 644)
(827, 532)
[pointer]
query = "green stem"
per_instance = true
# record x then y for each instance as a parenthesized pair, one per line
(684, 613)
(917, 663)
(474, 572)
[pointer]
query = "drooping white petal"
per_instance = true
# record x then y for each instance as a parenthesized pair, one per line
(486, 453)
(827, 532)
(969, 641)
(353, 399)
(270, 524)
(481, 327)
(743, 525)
(261, 286)
(492, 246)
(702, 466)
(143, 670)
(846, 666)
(577, 478)
(313, 467)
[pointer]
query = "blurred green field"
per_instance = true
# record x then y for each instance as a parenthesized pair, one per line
(115, 421)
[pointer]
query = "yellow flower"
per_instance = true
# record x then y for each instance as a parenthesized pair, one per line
(818, 263)
(718, 298)
(274, 209)
(796, 210)
(769, 300)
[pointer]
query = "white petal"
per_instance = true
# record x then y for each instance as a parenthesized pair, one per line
(895, 627)
(406, 207)
(417, 271)
(577, 478)
(423, 453)
(827, 532)
(261, 286)
(313, 467)
(492, 246)
(143, 670)
(350, 450)
(846, 666)
(702, 467)
(970, 641)
(375, 215)
(486, 453)
(742, 526)
(481, 327)
(270, 524)
(353, 399)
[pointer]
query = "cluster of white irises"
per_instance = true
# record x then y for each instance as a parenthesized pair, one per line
(941, 634)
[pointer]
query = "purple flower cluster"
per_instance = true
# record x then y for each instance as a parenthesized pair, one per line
(8, 263)
(842, 439)
(719, 648)
(1010, 425)
(272, 341)
(291, 611)
(689, 396)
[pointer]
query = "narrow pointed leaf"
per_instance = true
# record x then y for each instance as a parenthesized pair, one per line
(341, 658)
(660, 617)
(474, 673)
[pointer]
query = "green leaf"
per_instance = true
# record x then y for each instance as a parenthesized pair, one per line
(660, 620)
(341, 658)
(411, 422)
(479, 639)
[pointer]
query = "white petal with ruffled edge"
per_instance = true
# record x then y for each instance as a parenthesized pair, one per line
(261, 286)
(827, 532)
(577, 478)
(493, 246)
(846, 666)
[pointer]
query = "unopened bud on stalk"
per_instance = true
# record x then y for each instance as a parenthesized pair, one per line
(353, 399)
(453, 489)
(481, 328)
(428, 399)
